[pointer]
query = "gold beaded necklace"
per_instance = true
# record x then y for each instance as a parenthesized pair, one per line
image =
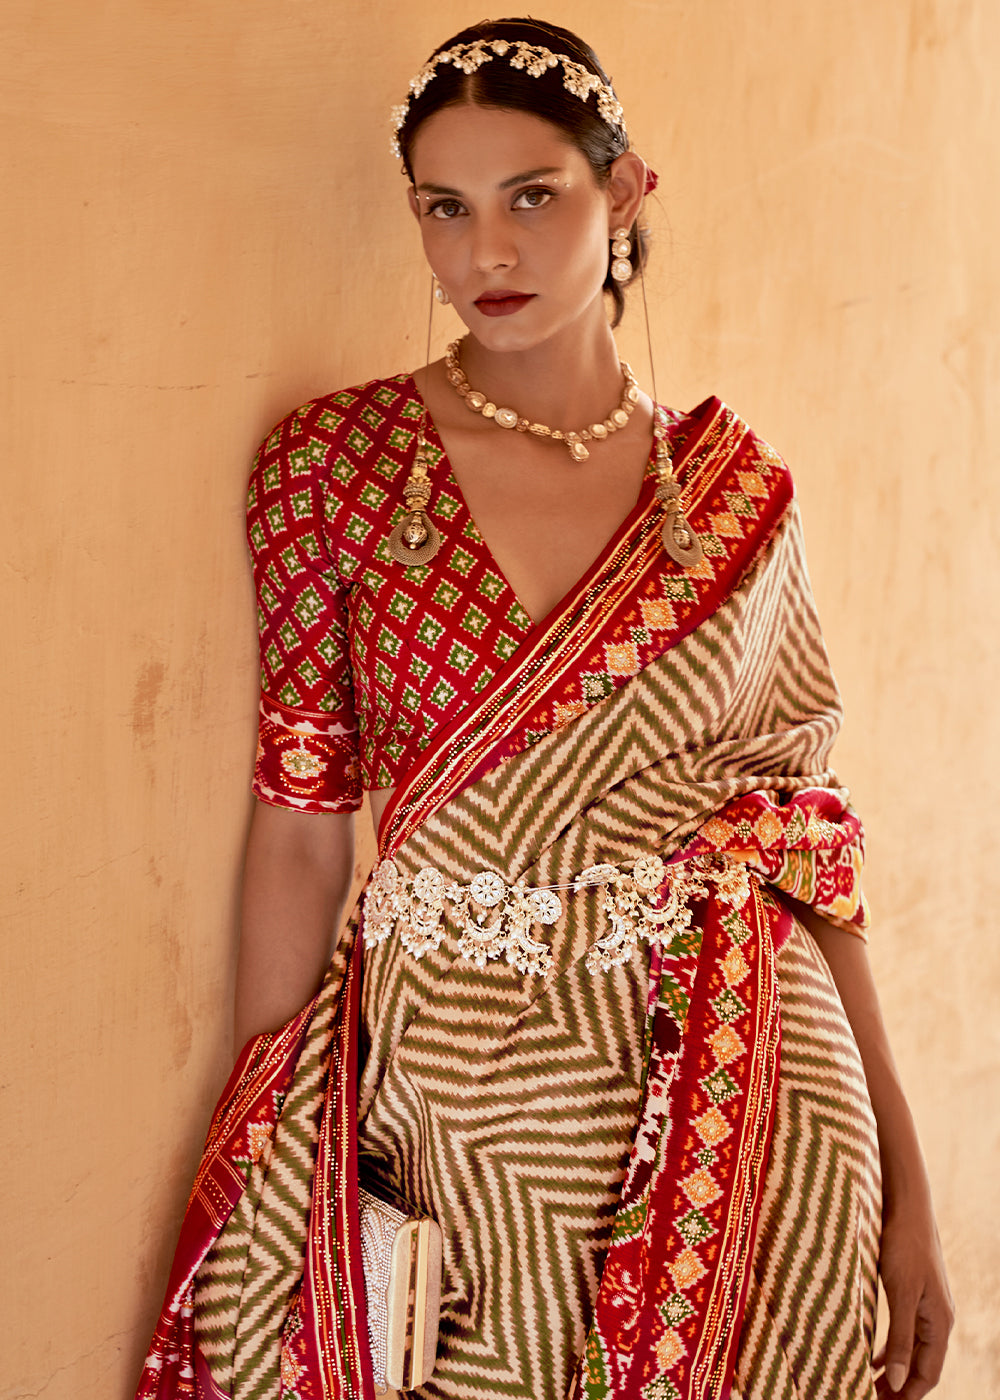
(576, 441)
(416, 541)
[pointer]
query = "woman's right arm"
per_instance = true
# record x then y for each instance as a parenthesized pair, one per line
(296, 879)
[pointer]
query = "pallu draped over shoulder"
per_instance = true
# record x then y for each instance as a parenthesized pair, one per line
(555, 1021)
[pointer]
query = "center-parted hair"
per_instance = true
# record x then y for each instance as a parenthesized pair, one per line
(497, 84)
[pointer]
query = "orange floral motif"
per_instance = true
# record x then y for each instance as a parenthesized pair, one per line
(752, 483)
(669, 1349)
(727, 525)
(734, 967)
(712, 1127)
(622, 658)
(565, 714)
(726, 1044)
(701, 1188)
(769, 828)
(717, 832)
(657, 613)
(686, 1269)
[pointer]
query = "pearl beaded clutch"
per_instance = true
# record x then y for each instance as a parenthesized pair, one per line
(401, 1256)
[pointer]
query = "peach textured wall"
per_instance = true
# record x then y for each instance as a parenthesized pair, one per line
(201, 227)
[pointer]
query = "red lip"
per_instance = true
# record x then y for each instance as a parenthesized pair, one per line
(503, 302)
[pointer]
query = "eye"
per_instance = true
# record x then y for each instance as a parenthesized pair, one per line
(535, 198)
(445, 209)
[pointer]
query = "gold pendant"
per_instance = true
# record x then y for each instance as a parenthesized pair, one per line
(680, 541)
(415, 540)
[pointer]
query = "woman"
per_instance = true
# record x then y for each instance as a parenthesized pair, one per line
(565, 640)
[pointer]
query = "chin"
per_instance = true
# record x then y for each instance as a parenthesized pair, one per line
(505, 338)
(538, 324)
(524, 331)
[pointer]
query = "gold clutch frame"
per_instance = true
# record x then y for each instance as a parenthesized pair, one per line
(401, 1256)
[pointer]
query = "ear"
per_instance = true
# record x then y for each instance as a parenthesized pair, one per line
(626, 186)
(412, 196)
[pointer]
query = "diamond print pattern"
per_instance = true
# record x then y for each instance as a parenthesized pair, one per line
(367, 633)
(693, 1228)
(346, 633)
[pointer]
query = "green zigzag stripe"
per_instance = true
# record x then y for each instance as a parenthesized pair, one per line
(506, 1110)
(810, 1313)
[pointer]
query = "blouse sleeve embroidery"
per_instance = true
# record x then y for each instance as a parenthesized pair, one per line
(307, 750)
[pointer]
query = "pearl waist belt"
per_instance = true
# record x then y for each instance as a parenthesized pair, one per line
(646, 898)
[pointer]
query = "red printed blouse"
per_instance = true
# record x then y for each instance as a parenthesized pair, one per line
(363, 659)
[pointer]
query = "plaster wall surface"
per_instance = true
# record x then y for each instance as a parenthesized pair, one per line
(202, 228)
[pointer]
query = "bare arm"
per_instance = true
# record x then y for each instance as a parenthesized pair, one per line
(297, 875)
(921, 1312)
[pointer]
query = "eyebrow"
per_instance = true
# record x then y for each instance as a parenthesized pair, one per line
(518, 179)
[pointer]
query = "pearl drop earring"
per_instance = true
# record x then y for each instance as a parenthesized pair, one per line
(621, 252)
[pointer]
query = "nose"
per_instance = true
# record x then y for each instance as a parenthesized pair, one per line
(493, 244)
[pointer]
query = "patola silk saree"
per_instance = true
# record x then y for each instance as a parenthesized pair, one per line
(555, 1021)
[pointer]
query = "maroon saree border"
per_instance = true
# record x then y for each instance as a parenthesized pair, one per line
(325, 1349)
(670, 1302)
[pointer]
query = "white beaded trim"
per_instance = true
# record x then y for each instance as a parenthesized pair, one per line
(534, 60)
(646, 898)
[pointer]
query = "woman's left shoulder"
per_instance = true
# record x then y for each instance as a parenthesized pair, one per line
(717, 451)
(715, 423)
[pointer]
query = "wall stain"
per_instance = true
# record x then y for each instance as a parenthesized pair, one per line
(148, 685)
(177, 980)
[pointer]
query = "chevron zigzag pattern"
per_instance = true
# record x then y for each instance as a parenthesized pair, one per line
(505, 1107)
(466, 1103)
(810, 1315)
(703, 724)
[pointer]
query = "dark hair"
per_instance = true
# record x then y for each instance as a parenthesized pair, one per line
(497, 84)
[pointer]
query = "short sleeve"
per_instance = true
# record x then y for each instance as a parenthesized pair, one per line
(307, 750)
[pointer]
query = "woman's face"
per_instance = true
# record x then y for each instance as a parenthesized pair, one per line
(514, 224)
